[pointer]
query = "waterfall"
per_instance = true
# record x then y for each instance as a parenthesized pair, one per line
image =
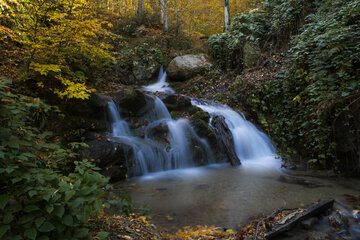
(161, 85)
(149, 154)
(249, 142)
(182, 137)
(119, 127)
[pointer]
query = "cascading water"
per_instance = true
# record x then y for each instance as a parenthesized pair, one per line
(119, 127)
(149, 155)
(249, 142)
(182, 137)
(161, 85)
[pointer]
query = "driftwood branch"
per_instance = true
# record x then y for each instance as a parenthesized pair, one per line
(313, 210)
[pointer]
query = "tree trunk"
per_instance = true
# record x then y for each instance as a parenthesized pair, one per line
(176, 17)
(226, 15)
(134, 7)
(166, 16)
(141, 7)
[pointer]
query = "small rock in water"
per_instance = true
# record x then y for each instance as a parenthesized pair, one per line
(335, 221)
(356, 215)
(316, 235)
(309, 223)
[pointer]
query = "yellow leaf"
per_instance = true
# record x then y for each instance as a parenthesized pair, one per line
(297, 98)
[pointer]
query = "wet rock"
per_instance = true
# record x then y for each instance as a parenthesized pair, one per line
(200, 122)
(317, 235)
(309, 223)
(130, 101)
(300, 181)
(185, 67)
(335, 221)
(177, 102)
(159, 133)
(224, 138)
(109, 156)
(251, 54)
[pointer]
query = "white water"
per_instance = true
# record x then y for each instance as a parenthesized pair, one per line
(161, 85)
(119, 127)
(183, 138)
(251, 145)
(149, 155)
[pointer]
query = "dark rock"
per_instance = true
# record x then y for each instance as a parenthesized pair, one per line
(94, 107)
(159, 133)
(251, 54)
(185, 67)
(200, 122)
(83, 116)
(109, 156)
(177, 102)
(224, 138)
(300, 181)
(145, 71)
(317, 235)
(309, 223)
(130, 101)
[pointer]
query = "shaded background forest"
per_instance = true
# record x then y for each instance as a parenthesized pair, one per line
(292, 66)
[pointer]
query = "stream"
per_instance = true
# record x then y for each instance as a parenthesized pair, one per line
(179, 193)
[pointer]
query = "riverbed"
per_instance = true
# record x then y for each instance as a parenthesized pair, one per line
(229, 197)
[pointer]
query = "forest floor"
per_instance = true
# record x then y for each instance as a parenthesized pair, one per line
(234, 90)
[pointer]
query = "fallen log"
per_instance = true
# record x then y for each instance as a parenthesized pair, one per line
(225, 140)
(312, 211)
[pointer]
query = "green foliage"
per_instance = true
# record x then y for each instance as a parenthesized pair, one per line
(313, 100)
(269, 26)
(36, 200)
(142, 58)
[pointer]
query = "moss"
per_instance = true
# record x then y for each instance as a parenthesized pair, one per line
(201, 115)
(174, 115)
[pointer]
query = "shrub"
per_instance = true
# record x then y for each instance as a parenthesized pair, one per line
(270, 26)
(36, 200)
(314, 101)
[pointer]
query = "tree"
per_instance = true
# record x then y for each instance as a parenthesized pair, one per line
(176, 17)
(226, 15)
(141, 7)
(164, 14)
(59, 39)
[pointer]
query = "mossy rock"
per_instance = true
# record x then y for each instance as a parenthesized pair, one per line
(251, 54)
(130, 101)
(200, 122)
(201, 115)
(177, 102)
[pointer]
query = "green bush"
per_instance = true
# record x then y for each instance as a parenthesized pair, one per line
(313, 100)
(270, 26)
(36, 200)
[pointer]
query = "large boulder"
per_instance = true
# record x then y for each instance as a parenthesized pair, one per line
(185, 67)
(145, 71)
(83, 116)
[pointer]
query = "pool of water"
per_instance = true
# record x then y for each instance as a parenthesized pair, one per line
(226, 196)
